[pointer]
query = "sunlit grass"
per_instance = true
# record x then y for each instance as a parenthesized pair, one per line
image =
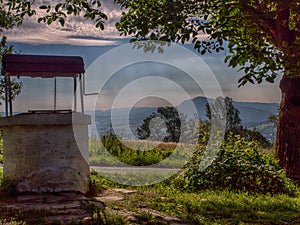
(211, 207)
(112, 151)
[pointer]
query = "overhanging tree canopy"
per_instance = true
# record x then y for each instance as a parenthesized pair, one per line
(260, 34)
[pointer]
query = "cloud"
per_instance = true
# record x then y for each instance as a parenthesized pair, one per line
(39, 33)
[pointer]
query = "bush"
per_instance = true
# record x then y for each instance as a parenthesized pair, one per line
(238, 166)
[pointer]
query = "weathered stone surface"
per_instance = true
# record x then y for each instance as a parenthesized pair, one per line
(63, 207)
(123, 191)
(54, 179)
(46, 119)
(46, 152)
(110, 198)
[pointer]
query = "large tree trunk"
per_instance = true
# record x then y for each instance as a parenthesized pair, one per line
(288, 131)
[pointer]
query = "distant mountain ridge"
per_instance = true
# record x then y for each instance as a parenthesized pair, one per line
(253, 114)
(250, 112)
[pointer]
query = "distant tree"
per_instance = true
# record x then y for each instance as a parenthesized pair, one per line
(223, 113)
(203, 132)
(7, 21)
(273, 119)
(15, 85)
(162, 125)
(254, 135)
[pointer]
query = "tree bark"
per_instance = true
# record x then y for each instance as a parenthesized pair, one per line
(288, 130)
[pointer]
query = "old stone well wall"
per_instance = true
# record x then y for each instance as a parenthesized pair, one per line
(46, 152)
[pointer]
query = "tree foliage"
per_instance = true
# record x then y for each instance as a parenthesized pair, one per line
(222, 111)
(91, 10)
(167, 125)
(162, 125)
(273, 119)
(261, 36)
(7, 21)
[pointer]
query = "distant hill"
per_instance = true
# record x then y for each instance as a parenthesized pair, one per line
(253, 115)
(103, 120)
(250, 112)
(255, 111)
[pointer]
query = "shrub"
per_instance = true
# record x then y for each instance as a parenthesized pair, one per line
(238, 166)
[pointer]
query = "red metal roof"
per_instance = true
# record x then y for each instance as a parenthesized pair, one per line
(42, 66)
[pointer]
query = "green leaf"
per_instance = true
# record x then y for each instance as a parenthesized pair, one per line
(270, 79)
(57, 7)
(85, 5)
(70, 9)
(48, 9)
(50, 20)
(100, 25)
(62, 21)
(43, 7)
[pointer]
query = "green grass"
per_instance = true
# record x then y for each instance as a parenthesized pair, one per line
(110, 151)
(114, 219)
(224, 207)
(212, 207)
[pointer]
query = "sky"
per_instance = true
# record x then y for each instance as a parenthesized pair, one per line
(123, 76)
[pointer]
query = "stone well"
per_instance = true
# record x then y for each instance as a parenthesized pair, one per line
(46, 152)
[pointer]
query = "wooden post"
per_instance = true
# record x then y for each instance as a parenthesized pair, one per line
(10, 97)
(55, 93)
(81, 94)
(6, 95)
(75, 95)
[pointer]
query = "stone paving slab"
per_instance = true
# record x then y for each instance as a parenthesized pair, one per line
(64, 208)
(75, 208)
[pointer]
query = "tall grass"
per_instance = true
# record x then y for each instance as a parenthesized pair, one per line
(112, 151)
